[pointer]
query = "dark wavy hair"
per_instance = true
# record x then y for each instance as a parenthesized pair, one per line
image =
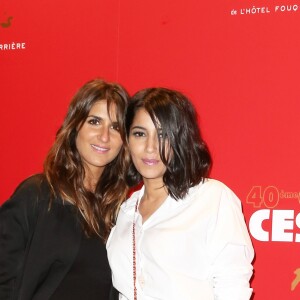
(64, 168)
(182, 149)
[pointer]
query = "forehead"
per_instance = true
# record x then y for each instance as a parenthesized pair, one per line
(142, 118)
(101, 108)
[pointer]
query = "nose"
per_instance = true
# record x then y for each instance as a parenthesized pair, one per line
(104, 134)
(152, 144)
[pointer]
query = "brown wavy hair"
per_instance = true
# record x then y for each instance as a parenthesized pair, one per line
(64, 168)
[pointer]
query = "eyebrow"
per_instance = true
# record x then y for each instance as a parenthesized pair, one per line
(93, 116)
(138, 127)
(99, 118)
(159, 130)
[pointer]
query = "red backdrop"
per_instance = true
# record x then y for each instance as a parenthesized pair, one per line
(238, 61)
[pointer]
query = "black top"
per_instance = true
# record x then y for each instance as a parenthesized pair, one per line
(89, 277)
(43, 252)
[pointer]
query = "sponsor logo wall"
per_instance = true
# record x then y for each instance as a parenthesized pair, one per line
(237, 60)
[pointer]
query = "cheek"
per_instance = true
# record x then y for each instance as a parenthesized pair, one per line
(133, 149)
(78, 140)
(117, 142)
(83, 134)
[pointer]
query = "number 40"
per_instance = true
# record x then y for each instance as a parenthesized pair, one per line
(268, 196)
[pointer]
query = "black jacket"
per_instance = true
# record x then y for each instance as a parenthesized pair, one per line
(37, 245)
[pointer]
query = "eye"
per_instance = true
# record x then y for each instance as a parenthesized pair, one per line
(138, 133)
(93, 121)
(115, 126)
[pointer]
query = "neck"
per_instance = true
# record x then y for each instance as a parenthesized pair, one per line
(91, 179)
(154, 196)
(154, 190)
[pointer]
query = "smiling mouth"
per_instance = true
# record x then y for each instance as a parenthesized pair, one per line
(99, 149)
(150, 162)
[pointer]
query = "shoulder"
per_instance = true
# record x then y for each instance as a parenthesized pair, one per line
(210, 186)
(227, 222)
(19, 212)
(130, 203)
(214, 192)
(31, 184)
(27, 192)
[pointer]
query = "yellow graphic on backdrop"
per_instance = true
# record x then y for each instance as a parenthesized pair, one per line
(269, 196)
(296, 280)
(7, 23)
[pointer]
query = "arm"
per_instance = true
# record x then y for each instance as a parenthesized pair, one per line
(231, 274)
(232, 251)
(16, 224)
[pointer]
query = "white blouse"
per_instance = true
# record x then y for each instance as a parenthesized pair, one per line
(194, 248)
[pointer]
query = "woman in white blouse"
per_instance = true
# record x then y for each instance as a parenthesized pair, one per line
(182, 236)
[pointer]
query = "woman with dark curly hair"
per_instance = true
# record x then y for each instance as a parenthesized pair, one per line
(182, 235)
(54, 227)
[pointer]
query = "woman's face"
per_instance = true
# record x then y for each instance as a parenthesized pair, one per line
(98, 141)
(144, 146)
